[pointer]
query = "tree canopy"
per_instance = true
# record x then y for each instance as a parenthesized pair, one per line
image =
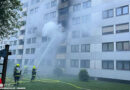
(9, 17)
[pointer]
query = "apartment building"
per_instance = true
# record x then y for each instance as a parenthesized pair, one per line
(16, 42)
(97, 36)
(101, 44)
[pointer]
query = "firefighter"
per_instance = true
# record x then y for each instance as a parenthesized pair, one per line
(17, 74)
(33, 73)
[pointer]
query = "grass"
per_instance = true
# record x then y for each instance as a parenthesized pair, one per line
(70, 83)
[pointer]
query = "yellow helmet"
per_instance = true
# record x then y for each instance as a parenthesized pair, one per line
(17, 65)
(34, 67)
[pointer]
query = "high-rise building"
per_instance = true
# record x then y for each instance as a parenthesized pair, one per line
(97, 36)
(16, 42)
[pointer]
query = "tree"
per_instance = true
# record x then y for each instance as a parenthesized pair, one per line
(9, 17)
(83, 75)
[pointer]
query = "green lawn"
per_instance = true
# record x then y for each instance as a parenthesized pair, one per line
(71, 84)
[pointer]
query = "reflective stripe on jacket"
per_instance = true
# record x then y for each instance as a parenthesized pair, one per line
(33, 72)
(17, 72)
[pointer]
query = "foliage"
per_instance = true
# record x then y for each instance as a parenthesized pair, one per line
(83, 75)
(58, 72)
(9, 17)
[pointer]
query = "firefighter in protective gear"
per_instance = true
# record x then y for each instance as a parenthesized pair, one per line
(33, 73)
(17, 74)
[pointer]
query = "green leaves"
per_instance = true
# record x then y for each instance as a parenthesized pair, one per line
(9, 17)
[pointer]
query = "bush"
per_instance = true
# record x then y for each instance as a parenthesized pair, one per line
(83, 75)
(58, 72)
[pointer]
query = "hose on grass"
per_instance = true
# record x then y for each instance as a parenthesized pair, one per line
(53, 81)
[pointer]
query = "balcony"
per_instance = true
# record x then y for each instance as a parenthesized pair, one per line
(64, 4)
(61, 56)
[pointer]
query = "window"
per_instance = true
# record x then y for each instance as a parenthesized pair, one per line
(34, 40)
(21, 42)
(26, 61)
(34, 10)
(47, 15)
(53, 14)
(87, 4)
(62, 49)
(123, 65)
(85, 19)
(25, 5)
(75, 34)
(34, 29)
(34, 1)
(74, 48)
(32, 50)
(5, 42)
(19, 61)
(108, 46)
(107, 64)
(84, 63)
(44, 39)
(122, 10)
(31, 11)
(61, 63)
(76, 7)
(121, 28)
(76, 20)
(74, 63)
(108, 13)
(53, 3)
(29, 41)
(123, 46)
(13, 52)
(15, 42)
(48, 5)
(31, 62)
(20, 51)
(63, 1)
(22, 32)
(84, 34)
(107, 30)
(29, 32)
(11, 43)
(85, 47)
(28, 51)
(63, 11)
(50, 15)
(0, 47)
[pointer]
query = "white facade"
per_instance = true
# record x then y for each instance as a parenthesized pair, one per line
(95, 38)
